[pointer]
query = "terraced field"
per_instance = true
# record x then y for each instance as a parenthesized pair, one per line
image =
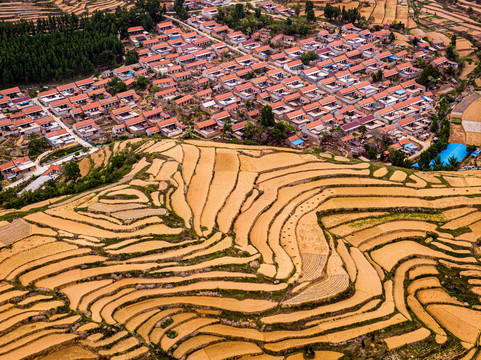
(32, 10)
(80, 7)
(215, 251)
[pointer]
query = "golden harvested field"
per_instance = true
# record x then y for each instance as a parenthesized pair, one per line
(219, 252)
(378, 12)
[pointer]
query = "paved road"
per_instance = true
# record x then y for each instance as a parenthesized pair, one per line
(69, 130)
(44, 167)
(424, 145)
(232, 48)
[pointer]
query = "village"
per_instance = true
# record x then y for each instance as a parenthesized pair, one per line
(201, 79)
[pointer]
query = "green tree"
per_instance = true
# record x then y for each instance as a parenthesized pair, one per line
(131, 57)
(72, 171)
(297, 9)
(309, 56)
(281, 130)
(471, 148)
(397, 158)
(392, 37)
(227, 128)
(362, 130)
(454, 38)
(429, 76)
(267, 116)
(250, 130)
(311, 15)
(309, 6)
(36, 146)
(142, 81)
(451, 52)
(424, 160)
(371, 152)
(258, 12)
(377, 76)
(453, 162)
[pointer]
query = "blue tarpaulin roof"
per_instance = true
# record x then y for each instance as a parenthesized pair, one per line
(297, 142)
(400, 92)
(459, 151)
(393, 58)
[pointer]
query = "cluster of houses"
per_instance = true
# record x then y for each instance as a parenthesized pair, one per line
(188, 69)
(334, 91)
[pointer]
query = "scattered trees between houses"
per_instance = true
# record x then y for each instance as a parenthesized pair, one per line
(377, 76)
(237, 18)
(131, 58)
(429, 76)
(309, 56)
(72, 170)
(267, 116)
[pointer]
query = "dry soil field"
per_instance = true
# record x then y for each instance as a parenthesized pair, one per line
(32, 10)
(212, 251)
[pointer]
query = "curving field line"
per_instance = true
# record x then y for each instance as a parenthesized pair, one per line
(220, 251)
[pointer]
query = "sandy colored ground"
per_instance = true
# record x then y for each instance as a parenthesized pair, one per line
(464, 323)
(398, 175)
(234, 201)
(388, 238)
(109, 250)
(408, 338)
(423, 316)
(390, 254)
(59, 266)
(390, 11)
(179, 202)
(308, 167)
(380, 172)
(225, 350)
(199, 186)
(272, 161)
(39, 345)
(399, 277)
(167, 170)
(250, 199)
(84, 166)
(155, 167)
(191, 156)
(138, 213)
(83, 229)
(358, 237)
(337, 337)
(331, 221)
(226, 260)
(160, 146)
(439, 296)
(422, 271)
(98, 158)
(15, 260)
(378, 12)
(223, 182)
(175, 153)
(468, 69)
